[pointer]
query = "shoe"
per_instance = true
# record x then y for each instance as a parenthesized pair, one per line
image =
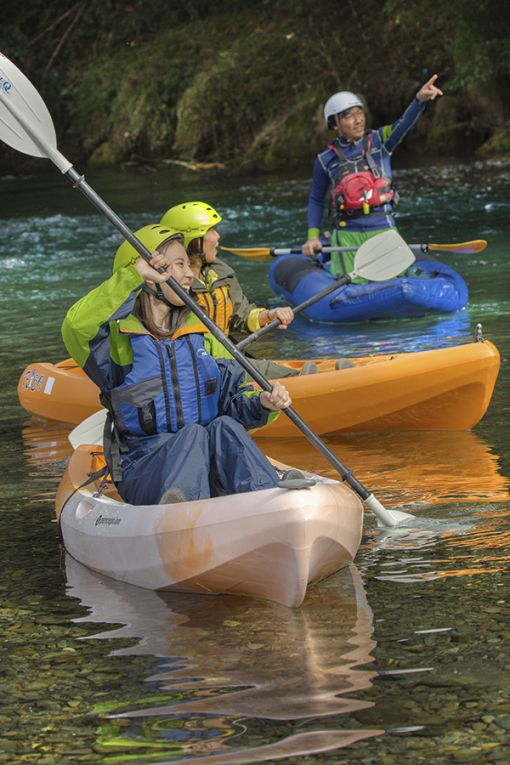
(173, 496)
(343, 364)
(309, 368)
(294, 479)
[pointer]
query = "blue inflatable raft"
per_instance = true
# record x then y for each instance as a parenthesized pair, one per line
(428, 287)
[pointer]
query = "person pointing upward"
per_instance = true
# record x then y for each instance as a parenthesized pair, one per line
(356, 168)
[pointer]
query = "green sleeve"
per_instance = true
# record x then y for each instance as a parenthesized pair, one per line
(86, 325)
(216, 349)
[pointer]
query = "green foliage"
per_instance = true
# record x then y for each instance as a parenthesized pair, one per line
(499, 144)
(130, 96)
(244, 82)
(478, 38)
(258, 77)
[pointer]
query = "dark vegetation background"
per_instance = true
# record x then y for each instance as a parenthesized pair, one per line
(243, 83)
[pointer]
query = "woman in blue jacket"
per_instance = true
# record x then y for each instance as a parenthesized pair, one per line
(178, 418)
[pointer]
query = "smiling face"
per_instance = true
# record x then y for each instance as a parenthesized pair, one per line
(180, 270)
(351, 123)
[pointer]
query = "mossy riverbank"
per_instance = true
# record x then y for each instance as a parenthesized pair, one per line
(244, 84)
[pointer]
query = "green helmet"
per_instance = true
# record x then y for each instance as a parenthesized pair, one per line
(152, 236)
(192, 219)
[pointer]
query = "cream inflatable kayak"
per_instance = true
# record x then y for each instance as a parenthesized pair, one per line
(270, 544)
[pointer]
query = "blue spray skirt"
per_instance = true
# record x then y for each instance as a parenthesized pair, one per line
(437, 289)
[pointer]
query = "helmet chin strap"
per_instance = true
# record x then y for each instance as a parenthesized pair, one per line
(158, 294)
(201, 253)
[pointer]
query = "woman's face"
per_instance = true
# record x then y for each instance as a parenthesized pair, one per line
(211, 240)
(177, 258)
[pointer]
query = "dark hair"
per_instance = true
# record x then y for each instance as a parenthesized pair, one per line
(195, 246)
(143, 312)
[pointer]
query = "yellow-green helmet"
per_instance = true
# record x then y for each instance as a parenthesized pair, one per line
(152, 236)
(192, 219)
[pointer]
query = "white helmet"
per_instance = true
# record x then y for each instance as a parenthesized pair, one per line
(340, 102)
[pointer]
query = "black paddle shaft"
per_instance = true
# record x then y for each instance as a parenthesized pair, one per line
(338, 282)
(347, 475)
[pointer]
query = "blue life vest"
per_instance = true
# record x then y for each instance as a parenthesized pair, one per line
(360, 186)
(172, 383)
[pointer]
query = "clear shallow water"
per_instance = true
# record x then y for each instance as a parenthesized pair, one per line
(401, 660)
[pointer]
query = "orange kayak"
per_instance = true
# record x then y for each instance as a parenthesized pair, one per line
(444, 389)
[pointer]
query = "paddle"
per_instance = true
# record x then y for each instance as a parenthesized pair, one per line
(377, 260)
(264, 253)
(26, 125)
(89, 431)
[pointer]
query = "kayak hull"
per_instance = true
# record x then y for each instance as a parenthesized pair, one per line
(58, 392)
(269, 544)
(438, 290)
(443, 389)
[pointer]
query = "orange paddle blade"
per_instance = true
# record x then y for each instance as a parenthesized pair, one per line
(253, 253)
(464, 248)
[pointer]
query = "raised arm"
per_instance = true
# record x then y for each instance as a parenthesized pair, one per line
(429, 91)
(392, 135)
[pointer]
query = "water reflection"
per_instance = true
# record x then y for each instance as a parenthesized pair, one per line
(423, 467)
(311, 339)
(46, 443)
(376, 337)
(225, 658)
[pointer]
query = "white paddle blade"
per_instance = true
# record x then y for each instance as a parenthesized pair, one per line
(383, 257)
(90, 431)
(387, 518)
(25, 122)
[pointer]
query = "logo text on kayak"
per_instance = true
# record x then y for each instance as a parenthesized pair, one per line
(108, 521)
(32, 380)
(5, 84)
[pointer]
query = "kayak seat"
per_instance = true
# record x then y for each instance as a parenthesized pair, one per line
(294, 479)
(288, 272)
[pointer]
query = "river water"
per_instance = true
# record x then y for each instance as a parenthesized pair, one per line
(399, 660)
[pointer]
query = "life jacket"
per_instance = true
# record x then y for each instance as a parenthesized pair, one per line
(149, 399)
(359, 183)
(218, 306)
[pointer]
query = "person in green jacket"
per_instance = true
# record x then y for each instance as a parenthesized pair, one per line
(217, 287)
(178, 417)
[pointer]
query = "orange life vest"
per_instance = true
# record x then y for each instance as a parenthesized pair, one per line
(218, 306)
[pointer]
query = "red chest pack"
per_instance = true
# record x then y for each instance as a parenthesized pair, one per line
(360, 184)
